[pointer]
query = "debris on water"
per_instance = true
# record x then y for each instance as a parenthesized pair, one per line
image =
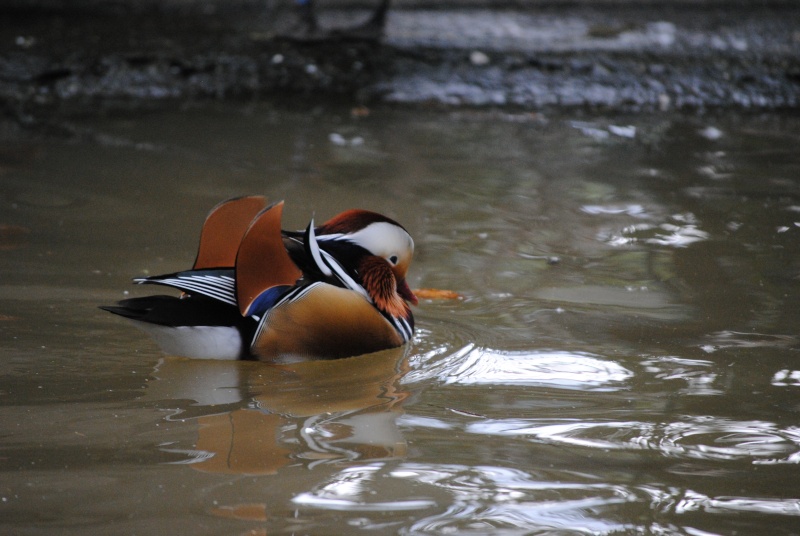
(437, 294)
(589, 129)
(551, 259)
(340, 141)
(628, 131)
(711, 133)
(336, 139)
(634, 209)
(24, 41)
(600, 133)
(713, 172)
(478, 58)
(461, 412)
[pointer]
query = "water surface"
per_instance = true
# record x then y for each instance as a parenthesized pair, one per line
(624, 358)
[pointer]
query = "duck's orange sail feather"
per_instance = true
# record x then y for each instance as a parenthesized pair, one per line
(223, 230)
(262, 261)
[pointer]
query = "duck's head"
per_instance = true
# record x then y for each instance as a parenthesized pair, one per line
(380, 260)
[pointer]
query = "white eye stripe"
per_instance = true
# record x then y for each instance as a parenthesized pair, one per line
(384, 239)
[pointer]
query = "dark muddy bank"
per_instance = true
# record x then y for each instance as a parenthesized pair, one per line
(669, 55)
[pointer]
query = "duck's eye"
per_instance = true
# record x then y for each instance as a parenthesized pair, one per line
(393, 259)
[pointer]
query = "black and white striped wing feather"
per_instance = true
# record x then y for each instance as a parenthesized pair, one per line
(218, 284)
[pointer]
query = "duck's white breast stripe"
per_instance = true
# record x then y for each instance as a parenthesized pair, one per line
(297, 293)
(402, 327)
(342, 275)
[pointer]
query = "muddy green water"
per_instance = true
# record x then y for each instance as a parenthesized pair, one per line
(625, 358)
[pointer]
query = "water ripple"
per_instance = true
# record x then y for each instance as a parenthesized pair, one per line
(705, 438)
(492, 498)
(473, 365)
(680, 231)
(636, 210)
(693, 501)
(482, 499)
(327, 503)
(738, 339)
(350, 490)
(698, 374)
(471, 499)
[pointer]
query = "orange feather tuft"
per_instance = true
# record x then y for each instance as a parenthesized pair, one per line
(381, 284)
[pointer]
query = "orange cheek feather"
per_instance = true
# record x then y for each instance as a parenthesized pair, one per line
(380, 282)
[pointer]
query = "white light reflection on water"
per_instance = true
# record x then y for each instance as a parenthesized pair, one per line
(636, 210)
(473, 365)
(481, 499)
(738, 339)
(680, 231)
(698, 374)
(666, 234)
(786, 377)
(680, 236)
(473, 499)
(694, 501)
(704, 438)
(351, 490)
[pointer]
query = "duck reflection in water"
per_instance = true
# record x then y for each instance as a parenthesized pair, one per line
(255, 418)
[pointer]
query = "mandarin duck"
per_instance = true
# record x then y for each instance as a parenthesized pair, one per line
(259, 292)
